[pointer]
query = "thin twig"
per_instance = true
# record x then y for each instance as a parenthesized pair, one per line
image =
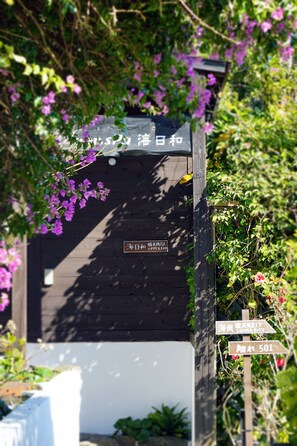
(204, 24)
(38, 152)
(48, 49)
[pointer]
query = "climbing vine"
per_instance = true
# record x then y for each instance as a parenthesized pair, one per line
(252, 186)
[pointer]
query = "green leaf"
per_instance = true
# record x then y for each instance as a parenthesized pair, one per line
(19, 59)
(4, 62)
(252, 304)
(28, 70)
(36, 69)
(44, 77)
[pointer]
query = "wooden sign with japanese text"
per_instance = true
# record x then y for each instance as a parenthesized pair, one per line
(253, 326)
(152, 135)
(145, 246)
(256, 348)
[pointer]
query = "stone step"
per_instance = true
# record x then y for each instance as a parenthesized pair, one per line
(104, 440)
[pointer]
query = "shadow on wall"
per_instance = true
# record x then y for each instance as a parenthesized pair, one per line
(124, 379)
(99, 293)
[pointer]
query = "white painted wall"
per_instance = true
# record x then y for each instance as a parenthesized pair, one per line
(50, 417)
(123, 379)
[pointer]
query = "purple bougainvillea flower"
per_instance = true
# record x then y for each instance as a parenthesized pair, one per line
(51, 97)
(71, 184)
(46, 109)
(229, 52)
(211, 79)
(4, 301)
(286, 52)
(137, 76)
(77, 89)
(3, 256)
(173, 70)
(70, 79)
(280, 27)
(82, 203)
(199, 112)
(65, 117)
(5, 278)
(58, 227)
(278, 14)
(15, 96)
(208, 127)
(43, 229)
(199, 32)
(205, 96)
(158, 58)
(266, 26)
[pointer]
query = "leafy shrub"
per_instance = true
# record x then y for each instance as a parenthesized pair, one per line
(162, 422)
(13, 367)
(170, 422)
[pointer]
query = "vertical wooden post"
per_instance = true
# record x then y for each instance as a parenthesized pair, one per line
(19, 294)
(247, 380)
(204, 336)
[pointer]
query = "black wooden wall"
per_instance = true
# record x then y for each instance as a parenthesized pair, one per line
(100, 293)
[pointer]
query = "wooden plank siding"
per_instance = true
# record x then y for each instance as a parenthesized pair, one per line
(204, 275)
(100, 293)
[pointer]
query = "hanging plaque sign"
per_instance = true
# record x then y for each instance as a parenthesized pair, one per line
(143, 135)
(145, 246)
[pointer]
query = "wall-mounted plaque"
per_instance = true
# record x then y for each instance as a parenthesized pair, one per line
(145, 246)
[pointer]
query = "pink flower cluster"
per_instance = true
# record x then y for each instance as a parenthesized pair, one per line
(50, 98)
(9, 262)
(47, 101)
(274, 299)
(70, 80)
(259, 278)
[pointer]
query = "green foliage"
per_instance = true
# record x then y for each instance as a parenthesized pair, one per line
(169, 422)
(162, 422)
(13, 362)
(101, 44)
(252, 187)
(287, 383)
(140, 429)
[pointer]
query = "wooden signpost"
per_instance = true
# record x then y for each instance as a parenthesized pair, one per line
(246, 347)
(256, 348)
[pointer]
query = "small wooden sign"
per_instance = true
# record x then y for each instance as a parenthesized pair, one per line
(253, 326)
(145, 246)
(256, 348)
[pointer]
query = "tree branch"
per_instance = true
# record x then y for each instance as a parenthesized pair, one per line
(203, 23)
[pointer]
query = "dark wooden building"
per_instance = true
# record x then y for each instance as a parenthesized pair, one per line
(99, 292)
